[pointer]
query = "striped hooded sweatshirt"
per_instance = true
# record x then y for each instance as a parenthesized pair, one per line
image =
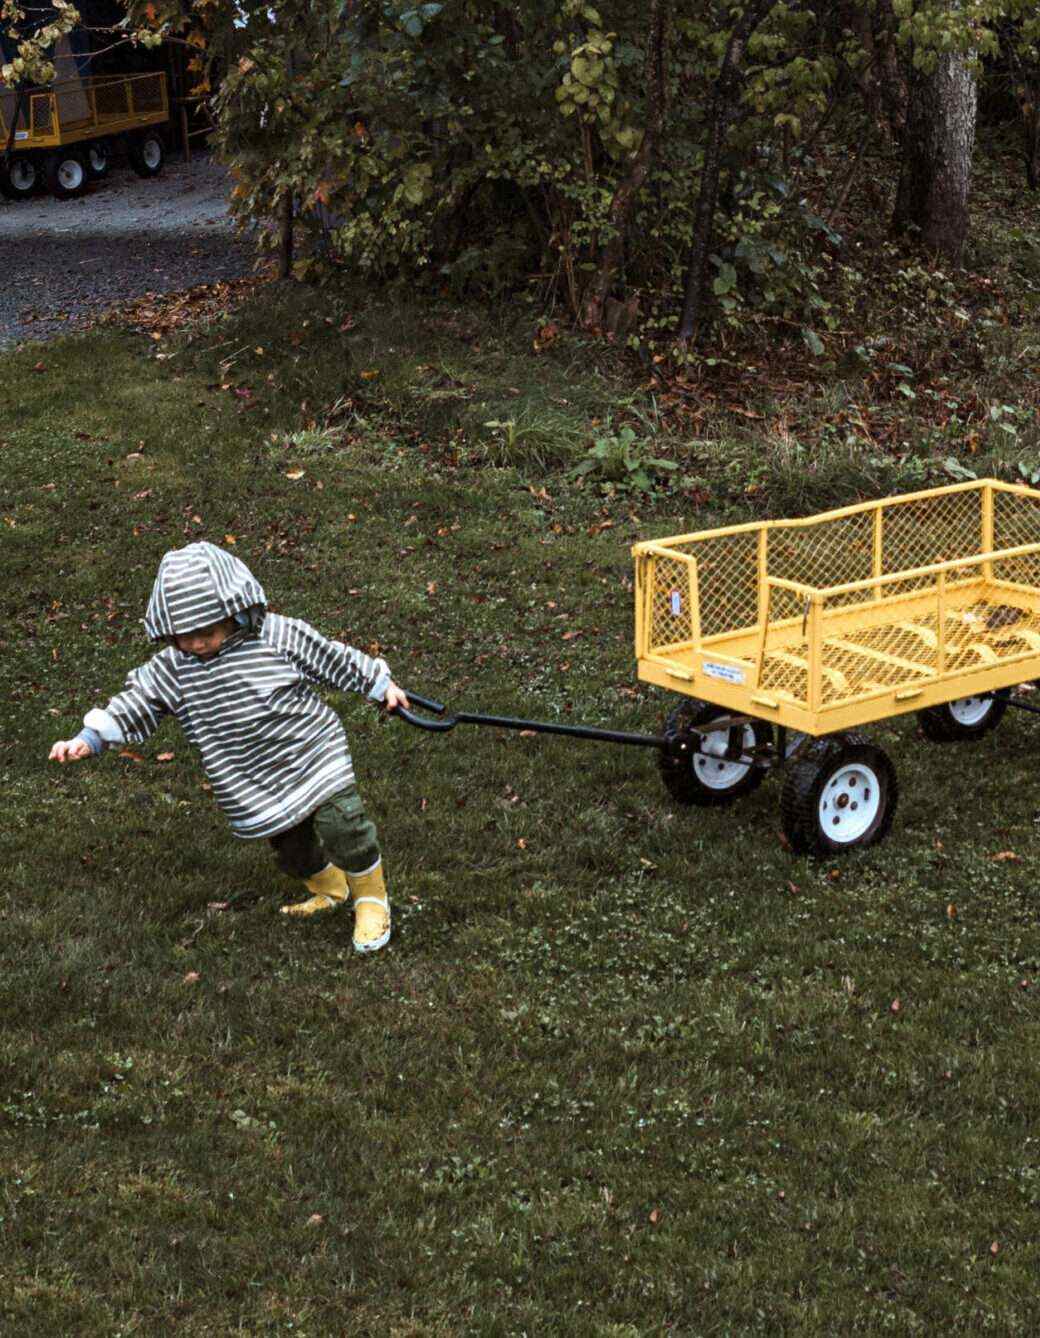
(271, 748)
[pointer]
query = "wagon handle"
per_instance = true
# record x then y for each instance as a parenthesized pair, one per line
(421, 722)
(449, 722)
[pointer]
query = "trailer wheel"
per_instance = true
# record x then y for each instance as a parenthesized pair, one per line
(147, 154)
(963, 720)
(21, 179)
(99, 159)
(839, 795)
(67, 174)
(704, 775)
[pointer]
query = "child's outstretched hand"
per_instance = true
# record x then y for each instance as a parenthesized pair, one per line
(69, 750)
(395, 697)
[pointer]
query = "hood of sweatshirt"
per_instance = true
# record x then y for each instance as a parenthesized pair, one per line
(200, 585)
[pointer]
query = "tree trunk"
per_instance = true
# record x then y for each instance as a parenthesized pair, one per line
(627, 190)
(1029, 103)
(892, 85)
(938, 146)
(285, 236)
(725, 97)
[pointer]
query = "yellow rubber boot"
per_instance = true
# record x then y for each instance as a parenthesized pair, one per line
(371, 909)
(328, 888)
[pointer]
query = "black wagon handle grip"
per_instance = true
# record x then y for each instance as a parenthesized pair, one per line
(421, 722)
(427, 703)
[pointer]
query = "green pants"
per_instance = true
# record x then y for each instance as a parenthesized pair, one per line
(338, 832)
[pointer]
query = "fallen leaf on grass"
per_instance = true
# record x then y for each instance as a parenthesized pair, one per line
(294, 473)
(655, 1217)
(246, 1123)
(166, 757)
(1007, 857)
(191, 978)
(134, 757)
(895, 1006)
(315, 1219)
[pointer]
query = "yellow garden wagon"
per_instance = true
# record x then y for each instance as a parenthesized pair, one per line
(63, 135)
(784, 636)
(787, 635)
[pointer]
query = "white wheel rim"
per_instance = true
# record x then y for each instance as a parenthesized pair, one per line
(23, 175)
(971, 710)
(711, 765)
(151, 153)
(70, 174)
(849, 803)
(98, 159)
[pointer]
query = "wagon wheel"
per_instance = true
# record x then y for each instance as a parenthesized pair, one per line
(21, 179)
(99, 159)
(67, 173)
(839, 795)
(702, 773)
(147, 154)
(963, 720)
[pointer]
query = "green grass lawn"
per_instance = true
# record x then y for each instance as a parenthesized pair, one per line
(623, 1069)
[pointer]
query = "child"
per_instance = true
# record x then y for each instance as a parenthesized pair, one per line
(238, 679)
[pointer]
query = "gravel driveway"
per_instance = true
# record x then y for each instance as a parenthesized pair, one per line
(67, 259)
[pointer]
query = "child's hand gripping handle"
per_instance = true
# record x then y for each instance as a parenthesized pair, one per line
(421, 722)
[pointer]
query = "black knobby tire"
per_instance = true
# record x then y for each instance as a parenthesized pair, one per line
(99, 159)
(22, 179)
(939, 724)
(147, 153)
(811, 823)
(692, 777)
(67, 174)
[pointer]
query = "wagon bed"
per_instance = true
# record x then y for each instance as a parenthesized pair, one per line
(831, 621)
(76, 110)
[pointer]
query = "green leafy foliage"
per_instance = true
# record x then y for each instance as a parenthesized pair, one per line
(622, 464)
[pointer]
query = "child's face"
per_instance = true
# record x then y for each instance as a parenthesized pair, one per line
(204, 642)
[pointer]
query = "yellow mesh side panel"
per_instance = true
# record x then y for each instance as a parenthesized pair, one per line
(832, 552)
(1016, 520)
(931, 529)
(112, 100)
(785, 663)
(727, 575)
(147, 93)
(41, 114)
(670, 613)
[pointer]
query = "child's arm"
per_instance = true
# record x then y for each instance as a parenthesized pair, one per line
(334, 663)
(130, 717)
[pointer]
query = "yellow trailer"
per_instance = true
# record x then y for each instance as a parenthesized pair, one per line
(926, 602)
(63, 135)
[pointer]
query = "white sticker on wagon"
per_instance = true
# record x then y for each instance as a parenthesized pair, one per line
(21, 134)
(676, 602)
(727, 672)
